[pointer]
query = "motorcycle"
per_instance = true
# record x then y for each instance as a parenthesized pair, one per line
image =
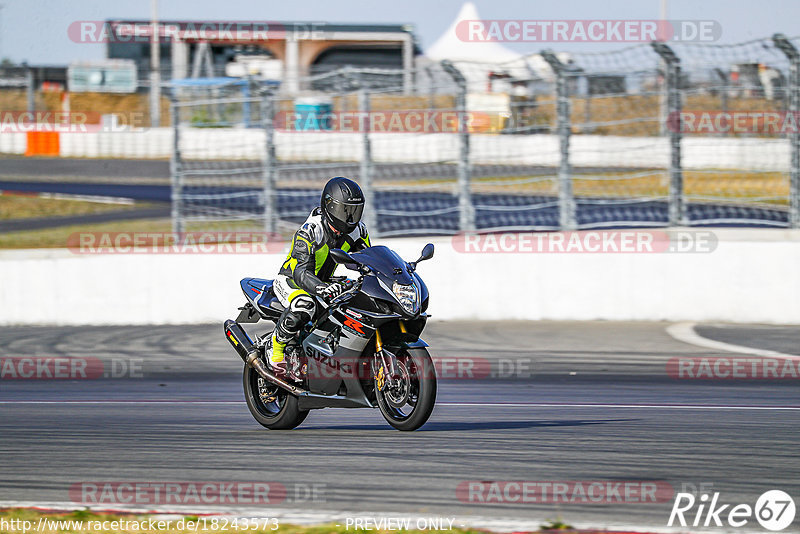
(363, 350)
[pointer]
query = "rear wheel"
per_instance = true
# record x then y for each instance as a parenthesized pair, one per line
(406, 401)
(272, 406)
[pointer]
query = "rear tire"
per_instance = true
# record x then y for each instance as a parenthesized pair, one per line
(272, 406)
(421, 375)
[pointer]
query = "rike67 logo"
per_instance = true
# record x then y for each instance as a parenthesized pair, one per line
(774, 510)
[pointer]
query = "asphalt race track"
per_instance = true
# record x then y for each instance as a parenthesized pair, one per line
(589, 401)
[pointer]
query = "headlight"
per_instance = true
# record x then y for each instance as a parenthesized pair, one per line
(406, 296)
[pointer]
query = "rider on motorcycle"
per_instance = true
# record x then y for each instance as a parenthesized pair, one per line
(307, 271)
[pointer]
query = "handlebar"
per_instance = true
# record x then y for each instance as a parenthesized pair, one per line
(347, 294)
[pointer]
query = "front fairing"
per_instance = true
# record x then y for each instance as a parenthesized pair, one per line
(387, 267)
(374, 289)
(423, 292)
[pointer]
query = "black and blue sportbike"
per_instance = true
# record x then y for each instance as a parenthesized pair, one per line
(363, 350)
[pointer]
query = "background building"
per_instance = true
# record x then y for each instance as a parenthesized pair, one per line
(290, 51)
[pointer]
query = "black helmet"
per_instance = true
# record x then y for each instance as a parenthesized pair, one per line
(342, 204)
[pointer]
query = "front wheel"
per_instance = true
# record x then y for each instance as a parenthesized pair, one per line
(272, 406)
(407, 399)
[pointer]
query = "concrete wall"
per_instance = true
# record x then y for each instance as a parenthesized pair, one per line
(745, 154)
(752, 276)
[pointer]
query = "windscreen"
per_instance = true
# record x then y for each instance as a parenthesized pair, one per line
(386, 262)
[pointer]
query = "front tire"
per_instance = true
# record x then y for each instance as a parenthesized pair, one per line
(272, 406)
(409, 405)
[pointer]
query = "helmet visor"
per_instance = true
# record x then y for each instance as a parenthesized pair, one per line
(347, 214)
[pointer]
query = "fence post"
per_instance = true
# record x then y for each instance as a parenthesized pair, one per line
(567, 219)
(269, 163)
(30, 89)
(791, 52)
(466, 211)
(725, 79)
(175, 168)
(365, 173)
(677, 195)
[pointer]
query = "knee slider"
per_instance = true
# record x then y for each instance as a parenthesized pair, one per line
(290, 323)
(299, 312)
(303, 304)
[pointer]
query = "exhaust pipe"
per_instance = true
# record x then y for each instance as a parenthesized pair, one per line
(240, 341)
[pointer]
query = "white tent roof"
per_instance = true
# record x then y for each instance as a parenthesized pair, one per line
(449, 46)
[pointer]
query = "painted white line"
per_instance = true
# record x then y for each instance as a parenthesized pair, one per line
(90, 198)
(686, 333)
(65, 196)
(626, 406)
(454, 404)
(120, 402)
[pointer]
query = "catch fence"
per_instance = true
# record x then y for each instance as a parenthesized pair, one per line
(650, 135)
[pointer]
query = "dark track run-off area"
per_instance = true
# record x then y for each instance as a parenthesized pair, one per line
(593, 402)
(420, 212)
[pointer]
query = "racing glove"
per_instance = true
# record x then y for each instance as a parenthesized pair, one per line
(330, 291)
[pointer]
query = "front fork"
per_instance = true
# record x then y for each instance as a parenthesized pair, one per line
(384, 363)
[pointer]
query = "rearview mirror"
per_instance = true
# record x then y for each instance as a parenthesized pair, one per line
(427, 253)
(340, 256)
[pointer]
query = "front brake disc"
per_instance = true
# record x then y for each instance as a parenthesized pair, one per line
(399, 392)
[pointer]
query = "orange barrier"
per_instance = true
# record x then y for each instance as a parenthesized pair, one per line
(43, 144)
